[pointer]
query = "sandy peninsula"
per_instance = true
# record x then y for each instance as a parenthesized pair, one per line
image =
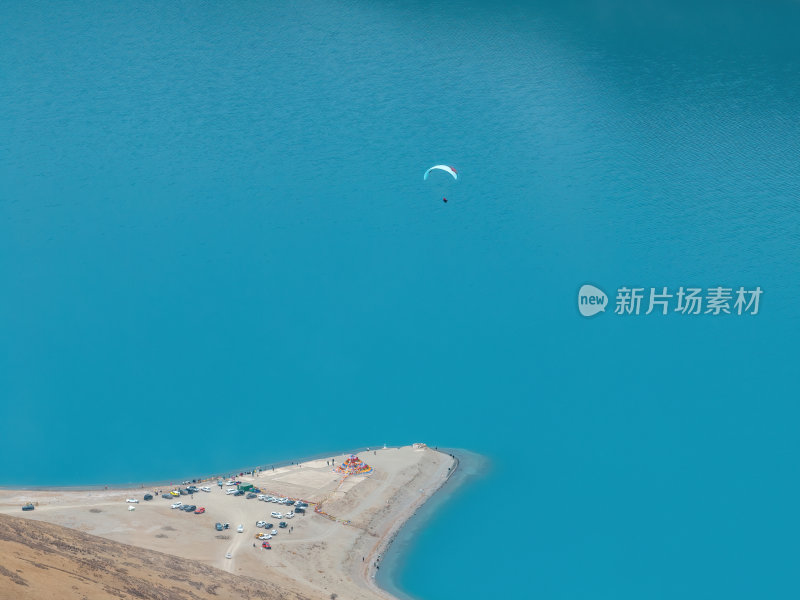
(333, 550)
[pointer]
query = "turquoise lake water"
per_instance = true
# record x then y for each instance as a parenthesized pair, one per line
(217, 250)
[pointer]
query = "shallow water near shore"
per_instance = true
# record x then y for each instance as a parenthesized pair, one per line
(217, 250)
(397, 570)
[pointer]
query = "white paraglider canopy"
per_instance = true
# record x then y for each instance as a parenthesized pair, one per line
(444, 168)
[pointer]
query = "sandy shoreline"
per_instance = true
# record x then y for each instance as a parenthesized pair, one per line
(385, 542)
(374, 559)
(149, 484)
(316, 555)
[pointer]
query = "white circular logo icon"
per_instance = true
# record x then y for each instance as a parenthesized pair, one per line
(591, 300)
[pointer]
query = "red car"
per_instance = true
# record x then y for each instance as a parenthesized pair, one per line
(266, 546)
(200, 511)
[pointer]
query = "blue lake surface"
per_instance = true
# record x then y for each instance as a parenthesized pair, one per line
(217, 250)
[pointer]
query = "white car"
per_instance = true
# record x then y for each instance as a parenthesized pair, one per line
(240, 528)
(265, 536)
(230, 482)
(230, 491)
(289, 515)
(260, 496)
(132, 500)
(229, 555)
(131, 508)
(274, 532)
(177, 505)
(261, 524)
(205, 488)
(275, 515)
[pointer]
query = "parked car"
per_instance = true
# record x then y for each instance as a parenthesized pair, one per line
(250, 496)
(275, 515)
(239, 493)
(132, 501)
(230, 491)
(226, 525)
(200, 511)
(175, 493)
(261, 523)
(301, 504)
(177, 505)
(28, 506)
(148, 496)
(205, 488)
(261, 496)
(289, 515)
(274, 532)
(300, 510)
(218, 526)
(282, 525)
(240, 528)
(229, 555)
(167, 496)
(266, 546)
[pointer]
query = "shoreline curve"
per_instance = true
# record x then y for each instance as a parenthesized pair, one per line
(376, 512)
